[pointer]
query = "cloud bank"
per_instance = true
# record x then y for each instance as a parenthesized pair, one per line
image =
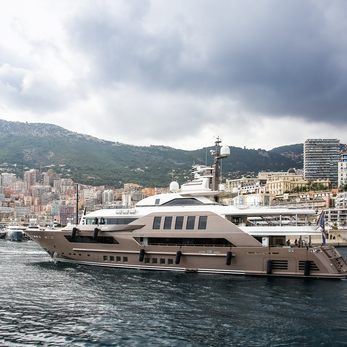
(258, 74)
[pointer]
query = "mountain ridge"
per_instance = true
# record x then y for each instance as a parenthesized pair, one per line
(90, 160)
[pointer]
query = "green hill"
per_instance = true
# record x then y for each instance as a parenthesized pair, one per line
(89, 160)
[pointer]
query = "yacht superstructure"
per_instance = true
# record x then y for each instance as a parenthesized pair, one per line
(273, 226)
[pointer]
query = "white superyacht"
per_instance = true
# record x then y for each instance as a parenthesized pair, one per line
(189, 231)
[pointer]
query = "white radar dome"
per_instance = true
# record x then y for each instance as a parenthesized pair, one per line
(174, 187)
(225, 151)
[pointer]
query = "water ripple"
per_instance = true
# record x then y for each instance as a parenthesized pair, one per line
(42, 303)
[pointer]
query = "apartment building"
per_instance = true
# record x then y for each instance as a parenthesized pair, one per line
(342, 169)
(321, 157)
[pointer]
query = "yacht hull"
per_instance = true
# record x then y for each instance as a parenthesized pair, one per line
(315, 262)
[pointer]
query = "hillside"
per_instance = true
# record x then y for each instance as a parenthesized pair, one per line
(294, 152)
(89, 160)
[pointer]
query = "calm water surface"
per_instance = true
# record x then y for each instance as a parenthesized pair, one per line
(44, 304)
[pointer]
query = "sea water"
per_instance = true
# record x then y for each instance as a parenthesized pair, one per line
(48, 304)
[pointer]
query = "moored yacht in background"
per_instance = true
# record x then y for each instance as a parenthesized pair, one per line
(15, 232)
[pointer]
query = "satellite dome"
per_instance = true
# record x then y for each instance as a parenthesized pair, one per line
(292, 171)
(225, 151)
(174, 187)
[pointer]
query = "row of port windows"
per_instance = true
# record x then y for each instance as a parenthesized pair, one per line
(116, 258)
(147, 260)
(161, 261)
(179, 222)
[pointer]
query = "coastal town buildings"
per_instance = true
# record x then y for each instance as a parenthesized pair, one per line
(278, 183)
(53, 198)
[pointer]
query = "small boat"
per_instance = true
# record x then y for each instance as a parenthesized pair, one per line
(15, 232)
(3, 233)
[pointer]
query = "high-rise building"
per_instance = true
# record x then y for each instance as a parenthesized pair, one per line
(321, 158)
(30, 179)
(49, 177)
(107, 197)
(342, 169)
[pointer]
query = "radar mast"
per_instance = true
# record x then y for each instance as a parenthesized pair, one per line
(219, 153)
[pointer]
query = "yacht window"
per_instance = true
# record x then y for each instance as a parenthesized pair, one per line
(157, 201)
(167, 222)
(156, 222)
(190, 222)
(90, 239)
(179, 222)
(118, 258)
(189, 241)
(183, 201)
(202, 222)
(162, 260)
(125, 259)
(111, 220)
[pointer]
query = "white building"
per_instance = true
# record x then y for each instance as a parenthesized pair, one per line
(107, 197)
(342, 170)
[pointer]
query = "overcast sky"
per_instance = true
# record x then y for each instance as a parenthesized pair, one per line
(258, 73)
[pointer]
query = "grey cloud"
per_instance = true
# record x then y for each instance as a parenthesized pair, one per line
(124, 51)
(274, 57)
(24, 85)
(23, 89)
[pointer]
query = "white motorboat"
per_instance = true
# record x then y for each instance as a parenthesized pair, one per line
(15, 232)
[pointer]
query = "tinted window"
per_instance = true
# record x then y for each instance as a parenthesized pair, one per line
(179, 241)
(111, 220)
(190, 222)
(156, 222)
(183, 201)
(202, 222)
(179, 222)
(167, 222)
(90, 239)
